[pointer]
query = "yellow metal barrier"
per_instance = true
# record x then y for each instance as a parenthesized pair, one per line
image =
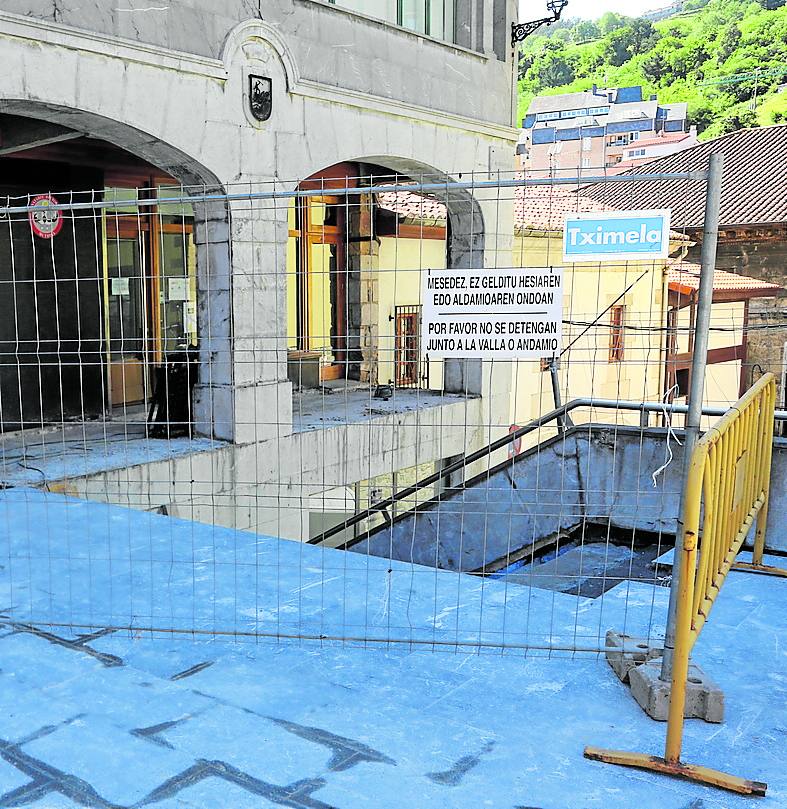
(730, 472)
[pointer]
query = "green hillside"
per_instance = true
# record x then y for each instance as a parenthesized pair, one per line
(726, 58)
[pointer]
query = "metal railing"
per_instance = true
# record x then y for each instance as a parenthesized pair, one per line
(558, 415)
(726, 491)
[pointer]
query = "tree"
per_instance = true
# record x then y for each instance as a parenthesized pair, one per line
(609, 22)
(585, 30)
(526, 61)
(738, 119)
(655, 67)
(553, 68)
(616, 47)
(728, 43)
(637, 37)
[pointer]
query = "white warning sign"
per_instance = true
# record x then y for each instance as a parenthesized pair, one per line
(492, 314)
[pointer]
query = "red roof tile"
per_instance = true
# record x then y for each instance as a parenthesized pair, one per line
(684, 277)
(536, 207)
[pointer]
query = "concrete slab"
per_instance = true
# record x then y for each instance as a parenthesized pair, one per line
(297, 723)
(32, 457)
(704, 698)
(353, 403)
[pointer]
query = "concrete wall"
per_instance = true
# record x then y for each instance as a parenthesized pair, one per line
(723, 378)
(401, 263)
(329, 46)
(269, 487)
(596, 474)
(759, 253)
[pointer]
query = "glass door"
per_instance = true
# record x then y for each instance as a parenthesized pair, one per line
(151, 289)
(177, 288)
(126, 319)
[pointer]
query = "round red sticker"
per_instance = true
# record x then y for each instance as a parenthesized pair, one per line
(45, 222)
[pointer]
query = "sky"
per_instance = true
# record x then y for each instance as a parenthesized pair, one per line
(590, 9)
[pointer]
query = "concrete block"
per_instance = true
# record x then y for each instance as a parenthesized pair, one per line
(704, 698)
(625, 652)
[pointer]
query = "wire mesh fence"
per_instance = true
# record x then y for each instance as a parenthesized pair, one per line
(220, 415)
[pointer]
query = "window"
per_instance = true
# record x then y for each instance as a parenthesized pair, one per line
(633, 136)
(406, 346)
(616, 333)
(636, 153)
(150, 257)
(571, 113)
(598, 111)
(585, 162)
(682, 380)
(547, 116)
(431, 17)
(587, 143)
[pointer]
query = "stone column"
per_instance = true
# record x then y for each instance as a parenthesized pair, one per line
(363, 290)
(262, 397)
(213, 394)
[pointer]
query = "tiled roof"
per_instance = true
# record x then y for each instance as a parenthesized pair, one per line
(567, 101)
(536, 207)
(684, 277)
(544, 208)
(676, 111)
(412, 206)
(633, 111)
(753, 186)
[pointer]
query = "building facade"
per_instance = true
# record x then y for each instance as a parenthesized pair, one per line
(563, 135)
(122, 109)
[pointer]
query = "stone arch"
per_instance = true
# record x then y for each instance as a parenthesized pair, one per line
(213, 394)
(465, 244)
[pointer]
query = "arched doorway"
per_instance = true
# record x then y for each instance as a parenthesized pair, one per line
(354, 268)
(89, 310)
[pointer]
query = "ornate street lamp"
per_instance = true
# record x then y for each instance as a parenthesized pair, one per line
(522, 30)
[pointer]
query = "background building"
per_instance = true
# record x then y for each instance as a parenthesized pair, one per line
(563, 134)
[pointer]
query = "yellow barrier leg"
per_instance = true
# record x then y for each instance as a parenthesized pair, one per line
(657, 764)
(756, 565)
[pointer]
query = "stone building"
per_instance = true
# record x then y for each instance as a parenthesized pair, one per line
(752, 233)
(216, 98)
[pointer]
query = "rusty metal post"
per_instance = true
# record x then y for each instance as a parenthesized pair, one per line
(710, 238)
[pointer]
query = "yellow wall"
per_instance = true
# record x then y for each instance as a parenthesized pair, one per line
(585, 370)
(721, 379)
(401, 262)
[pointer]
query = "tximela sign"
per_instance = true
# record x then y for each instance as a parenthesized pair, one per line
(622, 235)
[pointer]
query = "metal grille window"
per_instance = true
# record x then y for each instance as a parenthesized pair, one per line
(616, 333)
(407, 362)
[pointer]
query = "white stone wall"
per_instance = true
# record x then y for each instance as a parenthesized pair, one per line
(188, 114)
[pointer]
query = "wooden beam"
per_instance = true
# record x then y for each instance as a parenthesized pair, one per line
(715, 355)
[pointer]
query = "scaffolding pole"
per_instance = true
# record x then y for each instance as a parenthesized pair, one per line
(710, 237)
